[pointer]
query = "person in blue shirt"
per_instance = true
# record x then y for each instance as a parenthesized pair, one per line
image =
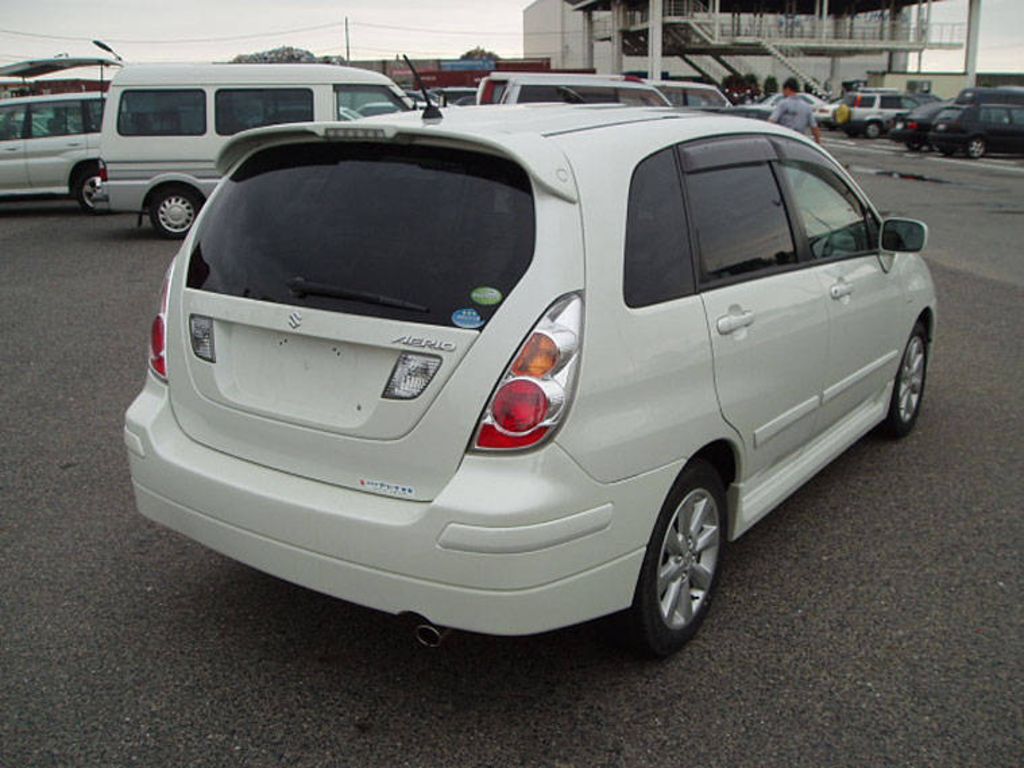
(795, 113)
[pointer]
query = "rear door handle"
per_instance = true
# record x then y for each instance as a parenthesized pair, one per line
(840, 289)
(732, 322)
(74, 143)
(12, 149)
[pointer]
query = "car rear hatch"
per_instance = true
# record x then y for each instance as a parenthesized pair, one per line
(348, 307)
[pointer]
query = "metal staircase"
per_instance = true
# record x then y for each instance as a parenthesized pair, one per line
(777, 54)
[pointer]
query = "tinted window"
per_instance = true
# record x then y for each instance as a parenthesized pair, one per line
(355, 101)
(705, 99)
(831, 214)
(58, 118)
(995, 116)
(740, 221)
(12, 122)
(949, 115)
(657, 256)
(638, 97)
(242, 108)
(677, 96)
(424, 227)
(93, 109)
(162, 113)
(1017, 116)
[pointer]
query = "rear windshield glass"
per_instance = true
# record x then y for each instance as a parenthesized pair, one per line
(422, 234)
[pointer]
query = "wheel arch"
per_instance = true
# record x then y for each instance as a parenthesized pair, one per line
(168, 183)
(927, 319)
(79, 167)
(724, 457)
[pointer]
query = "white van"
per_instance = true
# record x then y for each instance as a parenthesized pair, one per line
(49, 145)
(165, 124)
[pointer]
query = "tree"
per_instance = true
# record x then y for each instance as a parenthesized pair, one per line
(771, 85)
(283, 55)
(479, 53)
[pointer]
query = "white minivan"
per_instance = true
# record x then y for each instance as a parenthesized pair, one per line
(166, 123)
(49, 145)
(522, 368)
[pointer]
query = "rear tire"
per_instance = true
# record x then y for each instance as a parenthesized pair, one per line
(173, 210)
(84, 186)
(908, 388)
(913, 146)
(680, 571)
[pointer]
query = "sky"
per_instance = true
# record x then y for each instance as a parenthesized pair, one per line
(217, 30)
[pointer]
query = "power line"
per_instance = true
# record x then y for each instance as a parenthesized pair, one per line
(165, 41)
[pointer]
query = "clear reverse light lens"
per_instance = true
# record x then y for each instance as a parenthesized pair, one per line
(411, 375)
(202, 337)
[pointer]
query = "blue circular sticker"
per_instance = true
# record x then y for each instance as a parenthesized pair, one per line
(467, 318)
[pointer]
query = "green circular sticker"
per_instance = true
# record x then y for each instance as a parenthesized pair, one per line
(486, 296)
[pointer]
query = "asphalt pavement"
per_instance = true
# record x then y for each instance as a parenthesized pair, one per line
(874, 619)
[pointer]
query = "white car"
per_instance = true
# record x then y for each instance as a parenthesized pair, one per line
(49, 145)
(521, 368)
(685, 93)
(566, 88)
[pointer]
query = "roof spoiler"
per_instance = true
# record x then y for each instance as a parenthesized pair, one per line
(540, 157)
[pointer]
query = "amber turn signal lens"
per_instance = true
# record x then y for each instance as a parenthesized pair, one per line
(539, 357)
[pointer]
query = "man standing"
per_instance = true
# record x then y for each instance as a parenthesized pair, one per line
(795, 113)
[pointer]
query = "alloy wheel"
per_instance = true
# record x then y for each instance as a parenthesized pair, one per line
(689, 556)
(911, 380)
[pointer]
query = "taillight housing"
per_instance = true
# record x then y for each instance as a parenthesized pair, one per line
(913, 126)
(103, 170)
(534, 392)
(158, 332)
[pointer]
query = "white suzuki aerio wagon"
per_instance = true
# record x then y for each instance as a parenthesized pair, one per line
(525, 366)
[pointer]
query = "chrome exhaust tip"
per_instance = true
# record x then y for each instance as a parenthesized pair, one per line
(430, 636)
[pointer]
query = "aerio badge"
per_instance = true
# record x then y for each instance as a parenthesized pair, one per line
(467, 318)
(295, 319)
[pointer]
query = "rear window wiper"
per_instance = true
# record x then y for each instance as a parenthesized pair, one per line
(300, 287)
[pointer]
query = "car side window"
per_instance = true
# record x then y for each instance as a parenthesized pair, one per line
(162, 113)
(238, 109)
(93, 112)
(740, 221)
(995, 116)
(891, 102)
(1017, 116)
(658, 261)
(832, 216)
(55, 119)
(363, 100)
(12, 122)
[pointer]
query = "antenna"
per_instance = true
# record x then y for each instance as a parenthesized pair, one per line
(430, 112)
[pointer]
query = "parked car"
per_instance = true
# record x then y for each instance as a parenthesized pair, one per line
(166, 124)
(979, 129)
(764, 108)
(453, 97)
(870, 112)
(912, 128)
(49, 145)
(825, 114)
(1008, 94)
(685, 93)
(563, 88)
(533, 392)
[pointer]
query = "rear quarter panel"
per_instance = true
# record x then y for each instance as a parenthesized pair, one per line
(646, 394)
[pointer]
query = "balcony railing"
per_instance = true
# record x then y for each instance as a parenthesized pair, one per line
(797, 28)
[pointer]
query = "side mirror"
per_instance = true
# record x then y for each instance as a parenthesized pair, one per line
(904, 235)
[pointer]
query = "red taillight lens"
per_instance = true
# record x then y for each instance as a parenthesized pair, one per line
(158, 331)
(532, 396)
(103, 171)
(913, 126)
(519, 406)
(158, 347)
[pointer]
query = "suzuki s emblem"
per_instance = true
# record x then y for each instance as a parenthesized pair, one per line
(295, 319)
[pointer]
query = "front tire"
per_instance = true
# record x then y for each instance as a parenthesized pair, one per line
(173, 209)
(872, 131)
(976, 148)
(680, 571)
(908, 389)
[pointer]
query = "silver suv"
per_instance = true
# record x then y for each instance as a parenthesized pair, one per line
(49, 145)
(870, 112)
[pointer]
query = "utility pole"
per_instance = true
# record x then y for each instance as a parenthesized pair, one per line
(348, 55)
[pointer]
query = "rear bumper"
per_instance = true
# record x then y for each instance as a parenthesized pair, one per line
(511, 546)
(941, 140)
